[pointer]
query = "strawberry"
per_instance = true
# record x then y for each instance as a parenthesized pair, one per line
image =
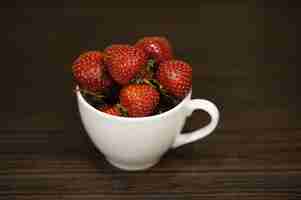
(90, 56)
(112, 110)
(89, 72)
(139, 100)
(124, 62)
(175, 76)
(157, 48)
(115, 48)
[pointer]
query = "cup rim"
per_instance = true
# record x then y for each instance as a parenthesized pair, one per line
(82, 100)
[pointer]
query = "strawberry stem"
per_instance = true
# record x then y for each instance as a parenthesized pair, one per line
(122, 110)
(151, 65)
(149, 83)
(154, 83)
(85, 92)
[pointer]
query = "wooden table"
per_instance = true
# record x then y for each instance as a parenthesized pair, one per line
(244, 58)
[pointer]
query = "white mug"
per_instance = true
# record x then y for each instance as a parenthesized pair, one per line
(139, 143)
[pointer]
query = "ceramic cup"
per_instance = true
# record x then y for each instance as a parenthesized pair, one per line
(139, 143)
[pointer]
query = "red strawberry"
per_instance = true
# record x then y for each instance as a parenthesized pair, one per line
(175, 76)
(124, 62)
(90, 56)
(157, 48)
(139, 99)
(89, 72)
(115, 48)
(112, 110)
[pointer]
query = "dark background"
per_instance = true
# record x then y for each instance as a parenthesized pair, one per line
(244, 58)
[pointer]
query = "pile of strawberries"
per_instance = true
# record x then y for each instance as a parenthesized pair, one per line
(133, 80)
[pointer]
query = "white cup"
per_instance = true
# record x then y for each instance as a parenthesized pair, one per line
(139, 143)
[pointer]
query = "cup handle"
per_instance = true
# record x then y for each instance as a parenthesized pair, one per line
(199, 104)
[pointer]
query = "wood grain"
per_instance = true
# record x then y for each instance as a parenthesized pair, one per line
(244, 58)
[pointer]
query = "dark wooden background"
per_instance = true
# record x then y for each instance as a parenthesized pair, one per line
(244, 58)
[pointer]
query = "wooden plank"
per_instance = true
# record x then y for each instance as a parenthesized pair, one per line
(224, 151)
(215, 196)
(260, 183)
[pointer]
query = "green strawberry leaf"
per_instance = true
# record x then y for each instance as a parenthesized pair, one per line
(122, 110)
